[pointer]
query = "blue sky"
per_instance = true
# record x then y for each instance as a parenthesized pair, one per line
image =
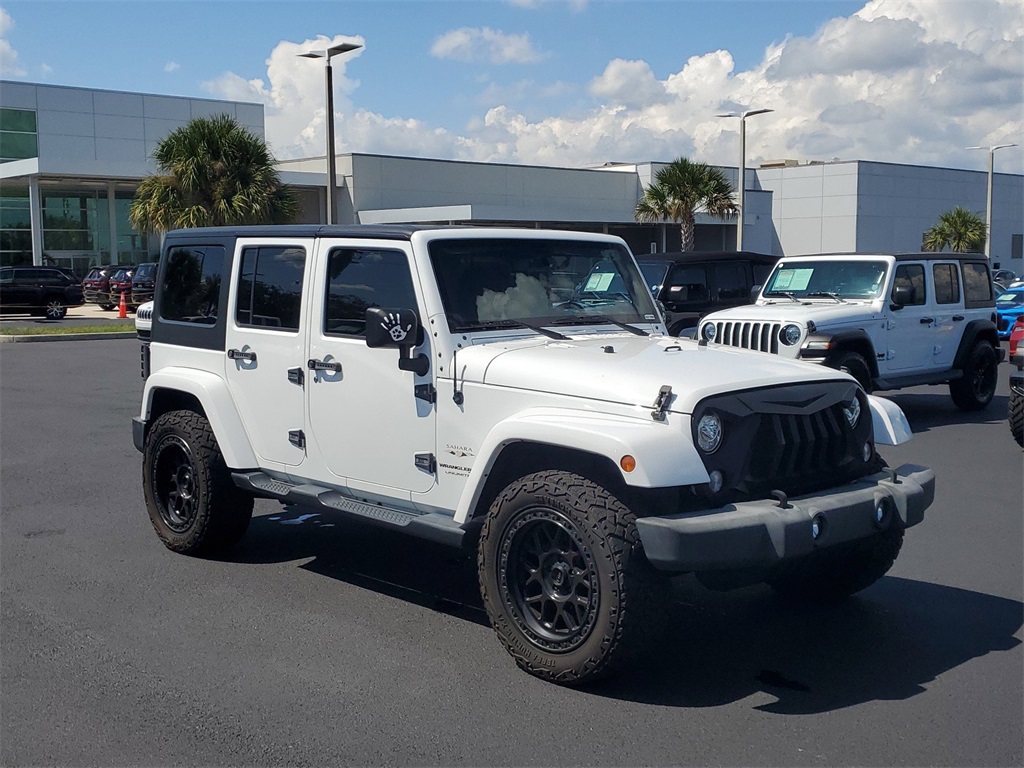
(566, 82)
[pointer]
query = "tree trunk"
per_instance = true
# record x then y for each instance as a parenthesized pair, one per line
(686, 226)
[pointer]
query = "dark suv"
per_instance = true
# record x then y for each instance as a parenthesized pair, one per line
(692, 284)
(38, 291)
(143, 280)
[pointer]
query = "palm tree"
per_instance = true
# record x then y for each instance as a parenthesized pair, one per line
(212, 172)
(959, 229)
(680, 188)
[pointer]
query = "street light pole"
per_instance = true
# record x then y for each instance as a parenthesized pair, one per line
(988, 202)
(741, 191)
(332, 173)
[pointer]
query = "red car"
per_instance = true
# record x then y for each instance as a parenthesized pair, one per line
(121, 282)
(96, 285)
(1017, 336)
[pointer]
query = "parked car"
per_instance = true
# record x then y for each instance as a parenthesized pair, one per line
(890, 320)
(1004, 276)
(143, 280)
(1009, 306)
(38, 291)
(692, 284)
(96, 285)
(121, 283)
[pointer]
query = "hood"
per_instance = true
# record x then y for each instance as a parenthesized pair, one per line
(822, 312)
(629, 370)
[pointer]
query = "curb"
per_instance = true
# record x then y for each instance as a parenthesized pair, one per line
(65, 337)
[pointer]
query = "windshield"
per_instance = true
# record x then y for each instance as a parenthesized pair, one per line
(1010, 298)
(505, 283)
(836, 280)
(145, 272)
(654, 273)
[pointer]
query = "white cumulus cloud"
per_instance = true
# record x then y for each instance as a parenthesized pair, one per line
(470, 44)
(906, 81)
(9, 66)
(171, 66)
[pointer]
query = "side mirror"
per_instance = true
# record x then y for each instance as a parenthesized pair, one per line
(902, 295)
(397, 328)
(755, 292)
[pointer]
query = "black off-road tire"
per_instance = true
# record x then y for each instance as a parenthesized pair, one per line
(837, 572)
(854, 364)
(974, 390)
(193, 505)
(1015, 417)
(564, 578)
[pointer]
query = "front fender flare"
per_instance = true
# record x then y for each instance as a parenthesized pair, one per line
(212, 393)
(890, 424)
(663, 450)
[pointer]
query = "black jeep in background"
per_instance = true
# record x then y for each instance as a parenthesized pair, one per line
(38, 291)
(694, 283)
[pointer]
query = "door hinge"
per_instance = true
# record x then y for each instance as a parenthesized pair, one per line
(296, 376)
(426, 392)
(426, 462)
(297, 438)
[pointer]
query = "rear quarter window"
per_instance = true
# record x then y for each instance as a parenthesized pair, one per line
(190, 292)
(977, 286)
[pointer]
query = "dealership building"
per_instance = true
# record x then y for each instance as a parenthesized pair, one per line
(71, 159)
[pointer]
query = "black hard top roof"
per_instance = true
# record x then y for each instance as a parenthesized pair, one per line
(689, 256)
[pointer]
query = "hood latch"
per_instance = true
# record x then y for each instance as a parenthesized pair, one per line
(661, 403)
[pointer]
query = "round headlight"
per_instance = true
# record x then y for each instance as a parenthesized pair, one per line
(790, 335)
(709, 432)
(852, 411)
(708, 332)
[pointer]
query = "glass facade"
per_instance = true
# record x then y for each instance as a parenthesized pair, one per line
(76, 228)
(17, 135)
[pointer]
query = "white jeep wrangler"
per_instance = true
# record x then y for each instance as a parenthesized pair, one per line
(513, 392)
(891, 321)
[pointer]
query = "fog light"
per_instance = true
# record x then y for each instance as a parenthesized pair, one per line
(883, 512)
(866, 452)
(715, 481)
(817, 527)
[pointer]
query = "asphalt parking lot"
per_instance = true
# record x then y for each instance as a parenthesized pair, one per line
(324, 643)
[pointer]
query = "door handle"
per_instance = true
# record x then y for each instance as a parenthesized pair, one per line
(926, 320)
(957, 318)
(320, 365)
(237, 354)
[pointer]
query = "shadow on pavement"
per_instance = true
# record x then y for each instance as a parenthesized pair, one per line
(887, 643)
(927, 411)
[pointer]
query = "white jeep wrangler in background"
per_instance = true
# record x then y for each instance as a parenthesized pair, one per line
(513, 392)
(891, 321)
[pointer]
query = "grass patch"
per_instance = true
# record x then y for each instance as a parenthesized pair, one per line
(66, 330)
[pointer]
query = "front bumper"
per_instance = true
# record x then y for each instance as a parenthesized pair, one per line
(760, 534)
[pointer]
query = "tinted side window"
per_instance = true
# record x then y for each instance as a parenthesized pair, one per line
(6, 275)
(977, 286)
(947, 284)
(731, 282)
(687, 284)
(270, 287)
(911, 276)
(191, 288)
(358, 279)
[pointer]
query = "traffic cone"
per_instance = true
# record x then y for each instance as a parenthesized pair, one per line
(122, 308)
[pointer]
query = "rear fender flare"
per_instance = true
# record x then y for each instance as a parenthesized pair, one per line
(212, 393)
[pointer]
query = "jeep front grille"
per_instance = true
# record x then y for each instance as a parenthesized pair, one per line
(789, 448)
(761, 337)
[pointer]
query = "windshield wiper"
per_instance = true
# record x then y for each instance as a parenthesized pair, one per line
(597, 319)
(787, 294)
(516, 324)
(838, 299)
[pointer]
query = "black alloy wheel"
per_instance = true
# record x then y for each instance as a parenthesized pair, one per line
(549, 581)
(174, 476)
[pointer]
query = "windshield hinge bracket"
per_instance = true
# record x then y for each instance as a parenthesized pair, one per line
(661, 403)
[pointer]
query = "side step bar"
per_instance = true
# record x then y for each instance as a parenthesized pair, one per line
(425, 525)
